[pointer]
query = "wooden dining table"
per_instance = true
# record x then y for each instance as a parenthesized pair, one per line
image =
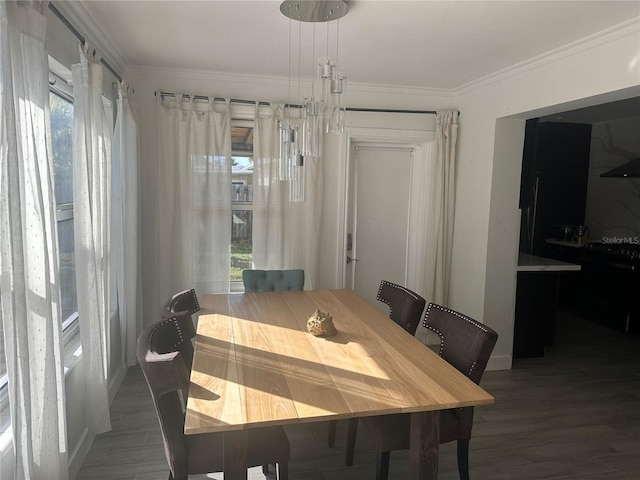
(256, 365)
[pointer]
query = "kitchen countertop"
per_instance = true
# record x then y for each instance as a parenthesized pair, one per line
(533, 263)
(565, 243)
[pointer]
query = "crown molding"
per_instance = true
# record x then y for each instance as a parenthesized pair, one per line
(380, 89)
(621, 30)
(208, 75)
(283, 82)
(75, 13)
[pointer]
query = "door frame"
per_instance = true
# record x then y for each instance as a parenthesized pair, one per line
(415, 139)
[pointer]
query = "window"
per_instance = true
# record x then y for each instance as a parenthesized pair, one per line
(61, 117)
(61, 106)
(241, 201)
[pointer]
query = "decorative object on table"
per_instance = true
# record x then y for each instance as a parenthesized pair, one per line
(321, 324)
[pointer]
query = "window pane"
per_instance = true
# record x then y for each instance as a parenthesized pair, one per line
(67, 268)
(241, 256)
(61, 137)
(242, 179)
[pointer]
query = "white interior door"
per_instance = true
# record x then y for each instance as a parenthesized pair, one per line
(380, 196)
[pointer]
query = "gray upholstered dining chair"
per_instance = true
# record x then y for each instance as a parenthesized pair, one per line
(405, 308)
(272, 280)
(161, 354)
(467, 345)
(185, 301)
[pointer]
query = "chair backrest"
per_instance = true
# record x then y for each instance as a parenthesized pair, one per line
(181, 302)
(272, 280)
(464, 343)
(405, 306)
(160, 355)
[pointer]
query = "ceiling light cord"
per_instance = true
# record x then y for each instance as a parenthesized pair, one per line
(313, 63)
(337, 42)
(299, 57)
(289, 77)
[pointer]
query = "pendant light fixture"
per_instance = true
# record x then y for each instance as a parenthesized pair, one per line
(302, 126)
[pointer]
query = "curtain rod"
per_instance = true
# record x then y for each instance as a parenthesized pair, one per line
(384, 110)
(251, 102)
(204, 97)
(80, 37)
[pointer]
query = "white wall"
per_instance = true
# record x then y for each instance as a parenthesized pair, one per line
(606, 68)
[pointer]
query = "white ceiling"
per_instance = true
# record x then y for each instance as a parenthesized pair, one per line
(432, 44)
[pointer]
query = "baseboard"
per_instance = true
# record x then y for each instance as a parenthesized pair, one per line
(79, 454)
(116, 381)
(499, 362)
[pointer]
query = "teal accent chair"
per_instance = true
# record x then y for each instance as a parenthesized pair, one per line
(272, 280)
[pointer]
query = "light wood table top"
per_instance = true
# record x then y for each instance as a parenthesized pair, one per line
(255, 364)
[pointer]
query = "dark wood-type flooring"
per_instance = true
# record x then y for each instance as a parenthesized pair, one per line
(574, 414)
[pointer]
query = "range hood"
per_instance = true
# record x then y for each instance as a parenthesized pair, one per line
(626, 170)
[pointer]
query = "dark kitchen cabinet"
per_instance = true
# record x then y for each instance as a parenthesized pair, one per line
(535, 313)
(553, 184)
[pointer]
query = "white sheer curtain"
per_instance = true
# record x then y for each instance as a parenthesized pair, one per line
(422, 174)
(29, 287)
(285, 234)
(92, 132)
(269, 193)
(125, 243)
(441, 209)
(194, 196)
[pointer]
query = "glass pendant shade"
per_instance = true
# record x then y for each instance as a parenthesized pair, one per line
(335, 105)
(289, 150)
(311, 145)
(296, 185)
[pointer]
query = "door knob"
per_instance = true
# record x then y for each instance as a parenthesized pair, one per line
(349, 259)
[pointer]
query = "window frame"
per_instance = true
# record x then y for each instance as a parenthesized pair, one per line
(64, 211)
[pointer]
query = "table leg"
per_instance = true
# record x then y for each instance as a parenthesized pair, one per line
(235, 455)
(424, 445)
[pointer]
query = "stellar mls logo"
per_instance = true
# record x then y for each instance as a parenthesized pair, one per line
(617, 240)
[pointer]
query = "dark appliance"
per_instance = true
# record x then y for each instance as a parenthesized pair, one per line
(609, 285)
(553, 182)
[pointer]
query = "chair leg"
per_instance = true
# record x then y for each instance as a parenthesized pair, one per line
(382, 466)
(265, 469)
(352, 431)
(463, 459)
(331, 439)
(283, 470)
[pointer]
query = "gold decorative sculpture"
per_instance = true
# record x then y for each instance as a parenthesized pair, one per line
(321, 324)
